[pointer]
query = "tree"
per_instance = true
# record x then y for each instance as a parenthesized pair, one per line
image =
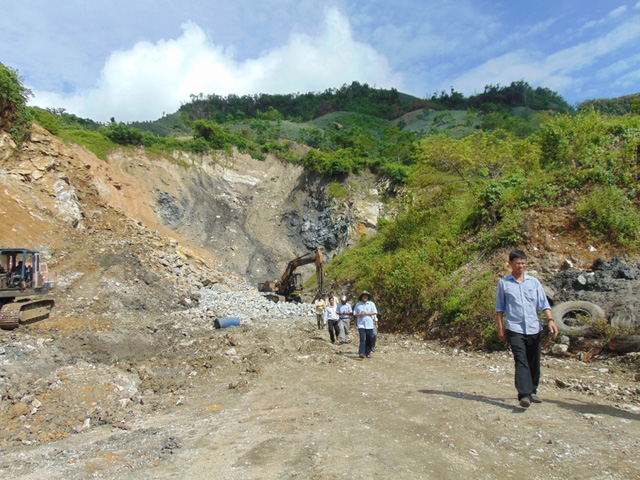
(14, 115)
(217, 136)
(123, 134)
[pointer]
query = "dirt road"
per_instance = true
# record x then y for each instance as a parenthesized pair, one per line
(274, 399)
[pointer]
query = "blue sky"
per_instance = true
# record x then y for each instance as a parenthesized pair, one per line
(138, 59)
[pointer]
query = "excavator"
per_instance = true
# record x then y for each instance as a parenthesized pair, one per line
(289, 287)
(25, 281)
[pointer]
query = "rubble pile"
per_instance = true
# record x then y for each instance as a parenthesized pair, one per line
(244, 302)
(613, 285)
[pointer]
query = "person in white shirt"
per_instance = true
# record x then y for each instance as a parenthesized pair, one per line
(332, 319)
(365, 312)
(344, 313)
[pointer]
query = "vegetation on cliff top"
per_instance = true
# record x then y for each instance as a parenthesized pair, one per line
(14, 115)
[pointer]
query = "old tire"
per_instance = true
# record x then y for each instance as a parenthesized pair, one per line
(563, 310)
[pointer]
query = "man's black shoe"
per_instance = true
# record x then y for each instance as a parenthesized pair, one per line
(525, 402)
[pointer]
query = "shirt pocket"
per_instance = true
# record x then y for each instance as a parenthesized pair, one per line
(530, 294)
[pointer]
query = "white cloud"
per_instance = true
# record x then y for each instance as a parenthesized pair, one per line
(151, 78)
(513, 66)
(618, 11)
(619, 68)
(628, 81)
(558, 71)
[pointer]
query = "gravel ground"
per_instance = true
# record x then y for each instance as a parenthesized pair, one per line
(157, 397)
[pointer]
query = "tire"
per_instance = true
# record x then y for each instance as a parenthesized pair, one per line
(589, 309)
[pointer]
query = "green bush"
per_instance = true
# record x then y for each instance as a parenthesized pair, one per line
(334, 164)
(314, 137)
(395, 172)
(607, 213)
(198, 145)
(123, 134)
(95, 141)
(216, 135)
(508, 233)
(338, 190)
(14, 115)
(46, 120)
(604, 329)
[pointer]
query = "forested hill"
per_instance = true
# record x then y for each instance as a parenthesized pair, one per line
(361, 98)
(613, 106)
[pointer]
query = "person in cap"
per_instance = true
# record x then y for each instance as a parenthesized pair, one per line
(344, 313)
(365, 312)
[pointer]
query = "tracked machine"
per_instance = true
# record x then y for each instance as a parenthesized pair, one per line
(289, 287)
(25, 283)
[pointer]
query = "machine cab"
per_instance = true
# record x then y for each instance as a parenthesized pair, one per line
(22, 269)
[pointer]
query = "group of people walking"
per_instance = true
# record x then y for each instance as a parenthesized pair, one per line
(337, 316)
(519, 300)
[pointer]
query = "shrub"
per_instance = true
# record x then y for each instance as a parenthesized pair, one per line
(604, 329)
(14, 115)
(198, 145)
(508, 233)
(123, 134)
(95, 141)
(338, 190)
(215, 135)
(46, 120)
(607, 213)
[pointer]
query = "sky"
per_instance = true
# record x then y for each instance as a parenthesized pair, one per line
(138, 60)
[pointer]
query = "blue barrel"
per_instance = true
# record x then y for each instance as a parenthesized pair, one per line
(225, 322)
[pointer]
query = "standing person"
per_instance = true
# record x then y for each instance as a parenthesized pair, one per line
(320, 305)
(365, 311)
(331, 318)
(374, 337)
(518, 301)
(344, 313)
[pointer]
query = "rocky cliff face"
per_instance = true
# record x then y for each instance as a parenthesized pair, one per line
(255, 216)
(252, 216)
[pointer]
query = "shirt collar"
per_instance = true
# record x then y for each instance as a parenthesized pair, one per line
(524, 279)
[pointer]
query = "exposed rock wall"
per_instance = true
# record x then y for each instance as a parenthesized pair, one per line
(252, 216)
(255, 216)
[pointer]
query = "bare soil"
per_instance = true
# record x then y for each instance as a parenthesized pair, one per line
(275, 399)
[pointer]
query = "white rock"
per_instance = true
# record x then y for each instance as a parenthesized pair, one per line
(559, 349)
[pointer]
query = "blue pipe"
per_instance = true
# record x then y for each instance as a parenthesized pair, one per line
(224, 322)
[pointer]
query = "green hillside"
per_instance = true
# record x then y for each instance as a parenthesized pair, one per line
(613, 106)
(470, 199)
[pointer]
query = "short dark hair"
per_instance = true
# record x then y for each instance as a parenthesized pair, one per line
(517, 254)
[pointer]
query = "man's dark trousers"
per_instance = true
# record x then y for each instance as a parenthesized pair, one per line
(526, 354)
